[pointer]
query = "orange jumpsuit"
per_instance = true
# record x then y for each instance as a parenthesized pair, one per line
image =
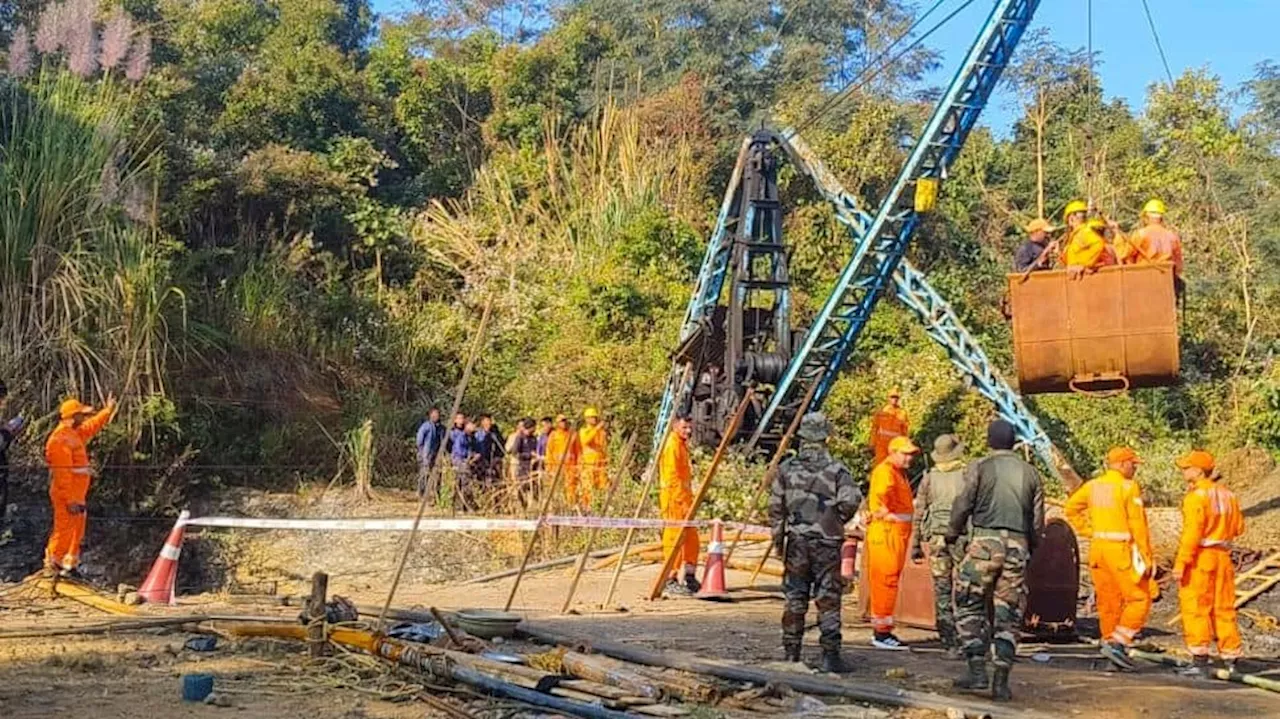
(1153, 243)
(675, 497)
(890, 503)
(558, 442)
(886, 424)
(593, 460)
(1211, 518)
(68, 461)
(1110, 510)
(1086, 248)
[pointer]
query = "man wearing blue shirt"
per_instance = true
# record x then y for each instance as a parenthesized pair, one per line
(430, 437)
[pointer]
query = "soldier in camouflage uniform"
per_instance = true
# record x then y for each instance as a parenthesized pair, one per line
(934, 497)
(1003, 500)
(812, 497)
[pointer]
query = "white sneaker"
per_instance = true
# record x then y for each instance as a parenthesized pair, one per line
(889, 642)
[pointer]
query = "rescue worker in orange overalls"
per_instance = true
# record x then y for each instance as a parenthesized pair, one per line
(68, 459)
(889, 422)
(675, 497)
(593, 457)
(1110, 510)
(1086, 249)
(562, 448)
(892, 510)
(1211, 519)
(1153, 242)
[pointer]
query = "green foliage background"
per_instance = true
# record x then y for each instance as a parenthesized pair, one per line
(318, 203)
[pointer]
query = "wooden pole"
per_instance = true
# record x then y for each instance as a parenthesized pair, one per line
(623, 466)
(649, 474)
(542, 517)
(730, 432)
(316, 614)
(769, 472)
(435, 465)
(860, 690)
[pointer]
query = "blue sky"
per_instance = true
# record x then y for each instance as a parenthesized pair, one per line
(1229, 37)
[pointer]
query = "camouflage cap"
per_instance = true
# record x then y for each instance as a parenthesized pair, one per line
(814, 427)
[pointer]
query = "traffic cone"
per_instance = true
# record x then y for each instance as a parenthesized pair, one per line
(158, 587)
(713, 576)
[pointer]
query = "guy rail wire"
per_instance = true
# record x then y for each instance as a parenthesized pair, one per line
(1159, 46)
(873, 71)
(426, 496)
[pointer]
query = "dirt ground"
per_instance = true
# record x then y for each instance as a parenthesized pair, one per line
(138, 674)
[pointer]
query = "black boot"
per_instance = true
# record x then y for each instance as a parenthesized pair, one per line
(791, 652)
(832, 662)
(1000, 685)
(976, 678)
(1199, 668)
(692, 584)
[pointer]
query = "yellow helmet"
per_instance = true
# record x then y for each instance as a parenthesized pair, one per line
(590, 412)
(1154, 207)
(1073, 207)
(1096, 224)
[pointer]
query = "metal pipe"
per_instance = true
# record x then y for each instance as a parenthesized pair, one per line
(500, 688)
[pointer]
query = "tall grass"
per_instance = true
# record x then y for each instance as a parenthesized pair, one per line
(565, 206)
(85, 294)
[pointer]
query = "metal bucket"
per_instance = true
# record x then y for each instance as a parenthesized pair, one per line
(1109, 330)
(1053, 580)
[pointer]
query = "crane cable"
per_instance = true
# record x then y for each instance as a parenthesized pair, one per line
(874, 70)
(1159, 46)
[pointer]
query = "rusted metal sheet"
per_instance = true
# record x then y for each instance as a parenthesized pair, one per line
(1053, 580)
(1114, 328)
(915, 594)
(1052, 584)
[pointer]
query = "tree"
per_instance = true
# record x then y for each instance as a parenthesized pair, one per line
(1044, 68)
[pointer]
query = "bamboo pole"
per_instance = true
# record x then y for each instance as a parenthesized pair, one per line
(542, 517)
(435, 464)
(614, 557)
(549, 564)
(649, 474)
(519, 682)
(1252, 680)
(769, 472)
(730, 432)
(623, 466)
(861, 690)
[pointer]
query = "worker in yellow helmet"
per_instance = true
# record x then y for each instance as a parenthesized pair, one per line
(888, 422)
(1086, 248)
(593, 461)
(1154, 241)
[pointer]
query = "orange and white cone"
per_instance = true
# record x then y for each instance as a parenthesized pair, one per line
(713, 577)
(158, 587)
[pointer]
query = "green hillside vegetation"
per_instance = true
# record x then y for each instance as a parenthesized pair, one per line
(266, 223)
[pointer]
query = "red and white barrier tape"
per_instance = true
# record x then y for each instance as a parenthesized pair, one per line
(433, 524)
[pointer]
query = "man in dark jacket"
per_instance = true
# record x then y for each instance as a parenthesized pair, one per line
(429, 439)
(812, 497)
(1032, 255)
(522, 448)
(490, 446)
(1003, 500)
